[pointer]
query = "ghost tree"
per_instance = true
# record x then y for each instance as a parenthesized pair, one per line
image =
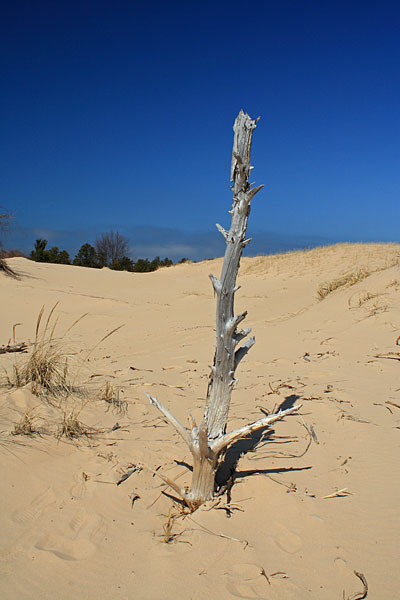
(208, 442)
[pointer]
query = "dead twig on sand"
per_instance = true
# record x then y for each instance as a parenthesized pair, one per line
(358, 595)
(338, 494)
(392, 404)
(290, 487)
(171, 518)
(284, 384)
(221, 535)
(263, 573)
(14, 348)
(389, 355)
(130, 470)
(133, 497)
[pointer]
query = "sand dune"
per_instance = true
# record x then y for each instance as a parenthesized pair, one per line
(68, 531)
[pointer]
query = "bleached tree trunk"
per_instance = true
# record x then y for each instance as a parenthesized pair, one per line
(208, 441)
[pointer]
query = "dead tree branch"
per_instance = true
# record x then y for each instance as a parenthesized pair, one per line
(208, 441)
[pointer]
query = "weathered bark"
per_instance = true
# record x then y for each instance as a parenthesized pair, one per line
(207, 442)
(222, 374)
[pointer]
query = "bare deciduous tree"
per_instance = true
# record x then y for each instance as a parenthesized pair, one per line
(208, 442)
(111, 246)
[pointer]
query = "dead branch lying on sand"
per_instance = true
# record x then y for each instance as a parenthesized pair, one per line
(392, 404)
(338, 494)
(389, 355)
(14, 348)
(359, 595)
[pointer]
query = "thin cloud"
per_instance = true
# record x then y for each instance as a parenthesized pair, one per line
(149, 241)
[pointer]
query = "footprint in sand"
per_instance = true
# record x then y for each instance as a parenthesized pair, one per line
(79, 540)
(83, 485)
(288, 541)
(250, 582)
(245, 580)
(340, 563)
(35, 508)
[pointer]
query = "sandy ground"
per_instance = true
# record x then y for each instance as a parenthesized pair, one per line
(68, 531)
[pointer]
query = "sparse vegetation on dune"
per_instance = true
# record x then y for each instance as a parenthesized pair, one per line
(374, 264)
(345, 281)
(27, 425)
(111, 396)
(72, 428)
(7, 270)
(355, 256)
(46, 369)
(46, 373)
(77, 438)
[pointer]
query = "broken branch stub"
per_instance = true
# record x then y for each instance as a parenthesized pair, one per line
(207, 442)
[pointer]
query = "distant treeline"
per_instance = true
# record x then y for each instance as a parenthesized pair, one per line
(109, 250)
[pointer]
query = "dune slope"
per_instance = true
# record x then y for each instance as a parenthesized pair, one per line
(314, 499)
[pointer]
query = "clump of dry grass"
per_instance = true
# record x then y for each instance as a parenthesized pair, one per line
(365, 297)
(26, 426)
(377, 308)
(172, 516)
(6, 269)
(46, 371)
(47, 367)
(72, 428)
(110, 394)
(346, 280)
(360, 298)
(393, 283)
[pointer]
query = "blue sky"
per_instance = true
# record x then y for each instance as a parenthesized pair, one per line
(119, 115)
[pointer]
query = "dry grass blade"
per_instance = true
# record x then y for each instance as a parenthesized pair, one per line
(338, 494)
(49, 319)
(14, 328)
(74, 323)
(84, 360)
(103, 339)
(168, 535)
(219, 534)
(38, 323)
